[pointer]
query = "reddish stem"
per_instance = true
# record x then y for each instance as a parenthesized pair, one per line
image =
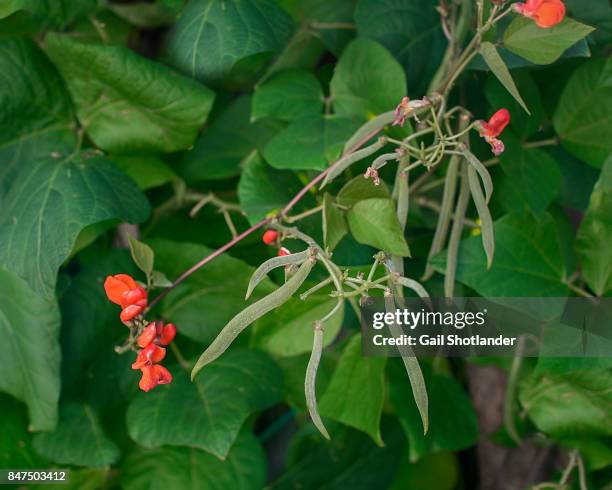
(260, 224)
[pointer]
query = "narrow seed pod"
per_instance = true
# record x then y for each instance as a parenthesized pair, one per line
(375, 124)
(273, 263)
(488, 236)
(455, 236)
(251, 313)
(411, 363)
(351, 158)
(416, 287)
(482, 171)
(311, 379)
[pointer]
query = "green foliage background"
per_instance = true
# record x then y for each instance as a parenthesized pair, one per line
(109, 111)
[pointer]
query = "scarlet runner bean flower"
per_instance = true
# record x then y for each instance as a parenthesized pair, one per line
(269, 237)
(545, 13)
(283, 251)
(154, 375)
(124, 291)
(156, 332)
(492, 128)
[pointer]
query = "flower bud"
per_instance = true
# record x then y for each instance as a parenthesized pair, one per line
(130, 312)
(283, 251)
(167, 335)
(270, 236)
(148, 335)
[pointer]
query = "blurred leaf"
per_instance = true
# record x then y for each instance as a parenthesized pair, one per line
(334, 223)
(143, 256)
(15, 442)
(209, 412)
(229, 142)
(374, 222)
(452, 420)
(582, 118)
(437, 471)
(359, 188)
(206, 301)
(596, 13)
(126, 102)
(543, 46)
(29, 353)
(189, 467)
(360, 91)
(74, 191)
(288, 95)
(595, 235)
(78, 439)
(57, 13)
(159, 280)
(147, 170)
(211, 36)
(146, 15)
(527, 260)
(356, 391)
(410, 30)
(310, 143)
(288, 330)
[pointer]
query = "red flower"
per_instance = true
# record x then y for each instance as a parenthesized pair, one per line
(492, 128)
(156, 332)
(121, 289)
(149, 355)
(283, 251)
(269, 237)
(130, 312)
(167, 334)
(545, 13)
(154, 375)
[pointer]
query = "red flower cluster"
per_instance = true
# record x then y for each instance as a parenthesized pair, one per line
(492, 128)
(152, 337)
(545, 13)
(270, 237)
(124, 291)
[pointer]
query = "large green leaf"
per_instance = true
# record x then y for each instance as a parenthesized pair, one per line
(543, 46)
(288, 95)
(356, 392)
(211, 36)
(527, 260)
(50, 201)
(189, 467)
(263, 189)
(15, 442)
(29, 352)
(410, 30)
(452, 420)
(126, 102)
(288, 330)
(582, 118)
(205, 302)
(209, 412)
(374, 222)
(357, 189)
(77, 440)
(357, 89)
(595, 235)
(310, 143)
(334, 223)
(147, 170)
(230, 141)
(49, 12)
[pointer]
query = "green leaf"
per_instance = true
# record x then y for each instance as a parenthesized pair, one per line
(595, 235)
(582, 117)
(57, 13)
(527, 260)
(356, 392)
(143, 256)
(208, 413)
(263, 189)
(216, 289)
(374, 222)
(159, 280)
(310, 143)
(334, 223)
(500, 70)
(410, 30)
(126, 102)
(357, 189)
(361, 91)
(453, 425)
(148, 171)
(244, 468)
(15, 442)
(287, 331)
(230, 141)
(145, 15)
(72, 192)
(543, 46)
(288, 95)
(211, 36)
(29, 353)
(78, 439)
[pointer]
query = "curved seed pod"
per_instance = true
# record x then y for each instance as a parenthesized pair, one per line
(411, 363)
(311, 379)
(482, 171)
(455, 235)
(273, 263)
(375, 124)
(381, 160)
(347, 160)
(251, 313)
(488, 236)
(416, 287)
